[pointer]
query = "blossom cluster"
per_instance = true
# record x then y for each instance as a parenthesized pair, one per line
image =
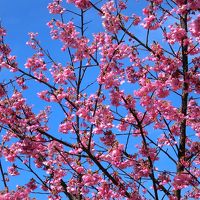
(123, 101)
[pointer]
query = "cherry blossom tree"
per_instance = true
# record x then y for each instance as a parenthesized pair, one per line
(127, 99)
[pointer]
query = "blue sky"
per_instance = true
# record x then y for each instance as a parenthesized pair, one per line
(21, 17)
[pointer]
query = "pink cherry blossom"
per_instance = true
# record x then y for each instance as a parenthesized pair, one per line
(82, 4)
(113, 112)
(55, 7)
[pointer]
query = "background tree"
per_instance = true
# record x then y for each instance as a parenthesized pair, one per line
(127, 100)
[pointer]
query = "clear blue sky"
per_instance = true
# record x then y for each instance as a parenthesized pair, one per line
(19, 18)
